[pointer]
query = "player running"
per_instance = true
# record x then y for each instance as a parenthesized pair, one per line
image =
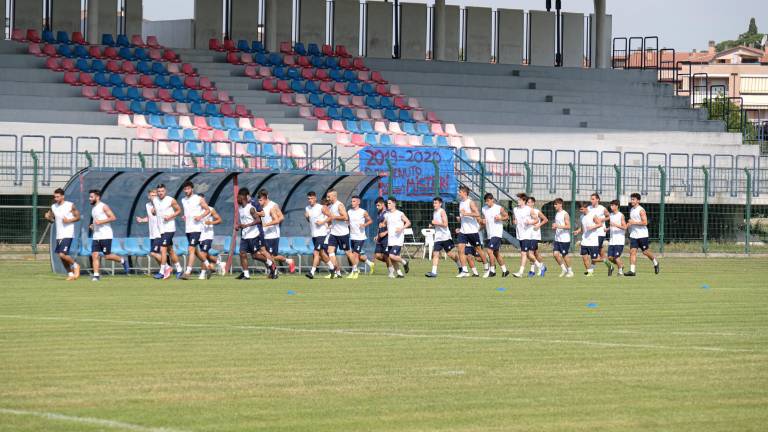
(562, 244)
(590, 251)
(602, 215)
(318, 229)
(358, 221)
(443, 240)
(167, 209)
(638, 235)
(617, 228)
(101, 225)
(493, 219)
(195, 212)
(250, 237)
(536, 239)
(210, 262)
(397, 222)
(271, 218)
(469, 231)
(380, 239)
(64, 214)
(524, 219)
(153, 226)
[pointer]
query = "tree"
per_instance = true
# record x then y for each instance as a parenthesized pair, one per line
(751, 38)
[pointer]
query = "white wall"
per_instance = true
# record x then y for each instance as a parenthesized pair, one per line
(172, 33)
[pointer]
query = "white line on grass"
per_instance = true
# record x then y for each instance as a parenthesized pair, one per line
(377, 333)
(112, 424)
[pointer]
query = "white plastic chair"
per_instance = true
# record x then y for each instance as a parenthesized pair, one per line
(413, 243)
(429, 242)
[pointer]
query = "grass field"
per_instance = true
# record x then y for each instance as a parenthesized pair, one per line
(683, 351)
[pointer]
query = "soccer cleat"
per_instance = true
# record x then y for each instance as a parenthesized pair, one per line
(391, 276)
(492, 274)
(505, 274)
(610, 271)
(630, 273)
(240, 276)
(126, 267)
(158, 275)
(407, 266)
(353, 275)
(330, 275)
(518, 274)
(430, 275)
(372, 266)
(475, 274)
(542, 271)
(182, 276)
(309, 275)
(569, 275)
(563, 273)
(486, 274)
(95, 278)
(656, 268)
(167, 273)
(531, 274)
(400, 276)
(590, 274)
(244, 277)
(586, 273)
(202, 276)
(462, 274)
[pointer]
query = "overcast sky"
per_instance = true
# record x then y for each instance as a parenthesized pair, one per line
(680, 24)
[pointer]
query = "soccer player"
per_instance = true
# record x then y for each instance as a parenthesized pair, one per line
(616, 243)
(380, 252)
(358, 221)
(195, 212)
(271, 218)
(153, 226)
(535, 239)
(443, 240)
(638, 235)
(562, 244)
(167, 209)
(494, 217)
(64, 214)
(101, 224)
(397, 222)
(524, 219)
(469, 231)
(210, 262)
(602, 215)
(318, 228)
(250, 237)
(590, 251)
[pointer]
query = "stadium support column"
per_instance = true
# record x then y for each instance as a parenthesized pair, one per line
(209, 19)
(65, 15)
(28, 14)
(438, 30)
(134, 13)
(271, 25)
(602, 57)
(92, 17)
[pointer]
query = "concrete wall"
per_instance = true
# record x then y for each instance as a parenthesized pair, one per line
(573, 39)
(312, 21)
(542, 34)
(413, 31)
(451, 33)
(208, 24)
(379, 38)
(173, 34)
(478, 34)
(133, 17)
(607, 38)
(511, 36)
(66, 15)
(346, 25)
(28, 14)
(107, 17)
(245, 20)
(278, 23)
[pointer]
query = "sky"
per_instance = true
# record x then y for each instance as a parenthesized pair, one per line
(680, 24)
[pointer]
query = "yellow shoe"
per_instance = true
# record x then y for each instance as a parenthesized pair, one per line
(330, 276)
(372, 266)
(354, 275)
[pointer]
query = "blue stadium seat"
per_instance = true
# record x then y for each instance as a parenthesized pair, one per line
(352, 126)
(137, 108)
(108, 40)
(385, 140)
(257, 47)
(212, 110)
(143, 68)
(102, 80)
(65, 51)
(96, 64)
(155, 121)
(85, 247)
(122, 40)
(118, 248)
(336, 75)
(145, 245)
(197, 110)
(48, 37)
(179, 96)
(176, 82)
(161, 82)
(193, 96)
(262, 59)
(62, 37)
(371, 139)
(181, 245)
(251, 138)
(133, 247)
(355, 89)
(423, 129)
(140, 54)
(83, 66)
(276, 59)
(386, 103)
(311, 87)
(233, 135)
(174, 134)
(409, 129)
(348, 114)
(369, 89)
(372, 102)
(404, 116)
(300, 49)
(334, 114)
(280, 73)
(427, 141)
(170, 122)
(215, 122)
(329, 101)
(133, 93)
(298, 86)
(294, 73)
(119, 94)
(390, 115)
(314, 50)
(442, 141)
(81, 52)
(152, 108)
(318, 62)
(350, 76)
(331, 63)
(116, 80)
(242, 45)
(230, 124)
(125, 53)
(366, 127)
(159, 68)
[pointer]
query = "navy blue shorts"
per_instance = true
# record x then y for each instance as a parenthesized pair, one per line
(193, 238)
(639, 243)
(592, 251)
(381, 247)
(469, 239)
(166, 239)
(600, 241)
(394, 250)
(529, 245)
(103, 246)
(319, 243)
(63, 245)
(205, 245)
(250, 245)
(443, 245)
(340, 242)
(154, 245)
(615, 250)
(272, 246)
(494, 244)
(357, 246)
(562, 247)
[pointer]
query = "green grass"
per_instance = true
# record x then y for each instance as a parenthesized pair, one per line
(657, 353)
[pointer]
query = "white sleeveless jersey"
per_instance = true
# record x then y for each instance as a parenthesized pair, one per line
(561, 235)
(315, 213)
(207, 231)
(589, 237)
(272, 231)
(522, 216)
(164, 207)
(338, 228)
(246, 218)
(104, 231)
(598, 211)
(637, 231)
(394, 221)
(153, 222)
(442, 233)
(493, 228)
(356, 222)
(617, 234)
(193, 207)
(60, 212)
(469, 225)
(536, 232)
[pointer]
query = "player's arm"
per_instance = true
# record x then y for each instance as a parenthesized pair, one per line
(255, 216)
(140, 219)
(49, 216)
(534, 218)
(75, 216)
(342, 213)
(206, 210)
(502, 216)
(406, 223)
(368, 220)
(542, 219)
(176, 211)
(473, 210)
(597, 221)
(110, 216)
(276, 215)
(443, 222)
(216, 218)
(566, 225)
(306, 215)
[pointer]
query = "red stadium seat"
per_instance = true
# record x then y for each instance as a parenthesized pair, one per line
(104, 93)
(210, 96)
(171, 56)
(146, 81)
(252, 71)
(306, 113)
(341, 51)
(71, 78)
(89, 92)
(437, 129)
(382, 90)
(247, 59)
(304, 62)
(233, 58)
(240, 111)
(322, 126)
(201, 123)
(111, 52)
(328, 51)
(68, 64)
(215, 45)
(95, 52)
(269, 85)
(326, 87)
(18, 35)
(337, 126)
(34, 49)
(122, 107)
(188, 70)
(260, 124)
(113, 66)
(376, 77)
(358, 140)
(223, 96)
(301, 99)
(191, 83)
(131, 80)
(340, 88)
(431, 117)
(227, 110)
(87, 79)
(319, 114)
(77, 38)
(364, 76)
(50, 50)
(150, 94)
(343, 140)
(53, 64)
(346, 63)
(359, 64)
(322, 75)
(156, 54)
(33, 36)
(152, 42)
(205, 83)
(287, 99)
(286, 48)
(165, 95)
(128, 67)
(107, 107)
(308, 74)
(400, 103)
(137, 42)
(284, 86)
(289, 60)
(229, 45)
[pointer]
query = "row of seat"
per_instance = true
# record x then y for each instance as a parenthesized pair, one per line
(93, 51)
(274, 85)
(134, 80)
(155, 95)
(314, 74)
(380, 127)
(329, 99)
(256, 47)
(289, 60)
(374, 140)
(151, 107)
(197, 122)
(115, 66)
(210, 136)
(63, 37)
(346, 113)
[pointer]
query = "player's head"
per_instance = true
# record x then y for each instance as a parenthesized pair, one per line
(332, 196)
(161, 191)
(380, 204)
(243, 196)
(391, 204)
(558, 203)
(58, 196)
(615, 205)
(188, 188)
(584, 207)
(489, 200)
(311, 198)
(152, 194)
(463, 192)
(263, 197)
(437, 202)
(531, 201)
(594, 199)
(94, 196)
(355, 202)
(522, 199)
(634, 199)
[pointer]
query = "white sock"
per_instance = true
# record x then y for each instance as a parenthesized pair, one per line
(188, 270)
(504, 268)
(369, 262)
(96, 274)
(70, 274)
(562, 266)
(354, 268)
(162, 268)
(522, 269)
(247, 273)
(207, 263)
(122, 260)
(434, 269)
(570, 270)
(655, 262)
(74, 266)
(391, 270)
(202, 272)
(590, 270)
(330, 266)
(464, 269)
(632, 268)
(474, 270)
(399, 272)
(269, 263)
(485, 266)
(178, 267)
(533, 267)
(403, 261)
(313, 270)
(539, 264)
